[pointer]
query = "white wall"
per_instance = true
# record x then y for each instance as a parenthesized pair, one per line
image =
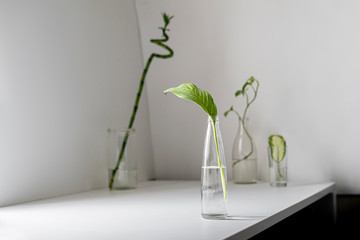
(306, 56)
(68, 71)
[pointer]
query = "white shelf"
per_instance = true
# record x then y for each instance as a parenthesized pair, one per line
(156, 210)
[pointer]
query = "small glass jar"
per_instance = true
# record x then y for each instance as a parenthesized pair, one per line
(278, 170)
(123, 173)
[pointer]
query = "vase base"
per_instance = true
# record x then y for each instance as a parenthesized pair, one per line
(278, 184)
(124, 179)
(123, 188)
(245, 182)
(214, 216)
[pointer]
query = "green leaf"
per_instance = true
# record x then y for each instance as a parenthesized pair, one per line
(227, 112)
(190, 92)
(238, 93)
(166, 19)
(277, 146)
(251, 80)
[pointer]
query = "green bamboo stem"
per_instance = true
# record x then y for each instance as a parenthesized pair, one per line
(159, 42)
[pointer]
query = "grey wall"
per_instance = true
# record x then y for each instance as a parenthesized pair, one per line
(304, 53)
(68, 71)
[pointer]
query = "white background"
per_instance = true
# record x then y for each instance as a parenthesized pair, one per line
(70, 69)
(306, 55)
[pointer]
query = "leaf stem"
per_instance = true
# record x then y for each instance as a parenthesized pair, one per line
(279, 170)
(223, 182)
(159, 42)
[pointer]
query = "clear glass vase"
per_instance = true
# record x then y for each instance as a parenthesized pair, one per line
(278, 170)
(213, 174)
(122, 140)
(244, 158)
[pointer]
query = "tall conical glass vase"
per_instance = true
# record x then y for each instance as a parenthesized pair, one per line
(244, 157)
(213, 174)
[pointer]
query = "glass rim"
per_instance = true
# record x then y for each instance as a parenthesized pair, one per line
(216, 117)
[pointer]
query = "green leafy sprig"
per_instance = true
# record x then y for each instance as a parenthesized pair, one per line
(277, 145)
(204, 99)
(253, 85)
(160, 43)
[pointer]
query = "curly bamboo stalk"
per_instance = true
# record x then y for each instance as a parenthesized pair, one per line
(159, 42)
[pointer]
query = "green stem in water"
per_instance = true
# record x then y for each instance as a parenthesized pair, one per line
(159, 42)
(242, 120)
(223, 182)
(279, 171)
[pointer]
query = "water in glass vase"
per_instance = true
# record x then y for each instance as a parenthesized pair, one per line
(245, 171)
(278, 170)
(124, 179)
(244, 156)
(213, 203)
(278, 176)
